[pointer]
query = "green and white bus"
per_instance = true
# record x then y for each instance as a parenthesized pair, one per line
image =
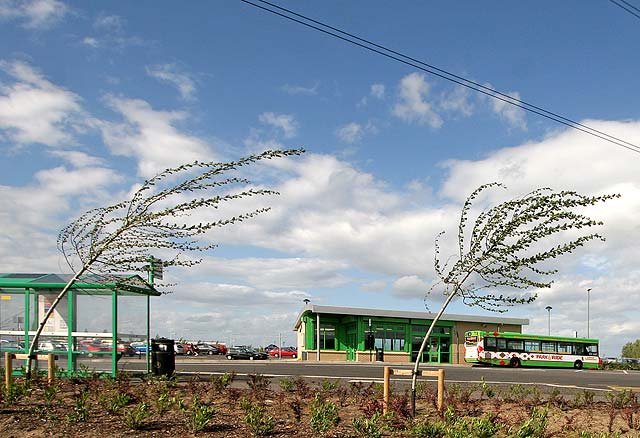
(520, 349)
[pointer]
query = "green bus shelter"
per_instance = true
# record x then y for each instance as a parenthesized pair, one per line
(26, 297)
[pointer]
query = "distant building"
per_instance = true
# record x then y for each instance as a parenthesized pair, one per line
(395, 336)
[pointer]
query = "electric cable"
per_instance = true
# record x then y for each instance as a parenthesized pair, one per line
(626, 8)
(444, 74)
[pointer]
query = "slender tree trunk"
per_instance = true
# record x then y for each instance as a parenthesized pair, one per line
(414, 376)
(34, 343)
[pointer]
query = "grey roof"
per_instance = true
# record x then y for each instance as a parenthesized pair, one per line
(357, 311)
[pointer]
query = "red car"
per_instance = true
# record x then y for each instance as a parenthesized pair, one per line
(285, 352)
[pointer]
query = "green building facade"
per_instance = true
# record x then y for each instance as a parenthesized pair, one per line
(366, 335)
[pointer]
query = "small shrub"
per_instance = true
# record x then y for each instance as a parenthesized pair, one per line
(259, 385)
(258, 420)
(329, 385)
(303, 390)
(80, 411)
(164, 403)
(50, 393)
(324, 415)
(582, 399)
(535, 426)
(114, 402)
(485, 389)
(369, 427)
(220, 383)
(287, 385)
(200, 416)
(428, 430)
(135, 416)
(400, 409)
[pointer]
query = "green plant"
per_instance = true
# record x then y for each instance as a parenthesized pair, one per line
(516, 394)
(114, 402)
(324, 415)
(80, 411)
(15, 391)
(582, 399)
(258, 420)
(485, 389)
(329, 385)
(135, 416)
(50, 393)
(221, 382)
(369, 427)
(287, 385)
(201, 415)
(164, 402)
(534, 426)
(428, 429)
(258, 384)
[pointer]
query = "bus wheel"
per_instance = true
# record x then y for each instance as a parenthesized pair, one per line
(514, 362)
(578, 365)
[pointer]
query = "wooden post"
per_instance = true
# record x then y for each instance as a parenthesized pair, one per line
(440, 389)
(385, 397)
(8, 368)
(51, 359)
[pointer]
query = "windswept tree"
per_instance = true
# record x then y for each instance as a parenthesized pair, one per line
(506, 250)
(165, 213)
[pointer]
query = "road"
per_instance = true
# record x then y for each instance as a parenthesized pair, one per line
(595, 380)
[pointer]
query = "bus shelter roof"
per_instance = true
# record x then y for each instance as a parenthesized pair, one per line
(91, 284)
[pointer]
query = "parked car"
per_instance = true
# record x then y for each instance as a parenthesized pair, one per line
(244, 353)
(139, 347)
(10, 345)
(178, 349)
(270, 347)
(126, 349)
(285, 352)
(190, 349)
(209, 349)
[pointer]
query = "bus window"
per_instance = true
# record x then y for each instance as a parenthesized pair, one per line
(592, 350)
(490, 344)
(471, 341)
(579, 349)
(532, 346)
(548, 347)
(565, 348)
(515, 345)
(502, 344)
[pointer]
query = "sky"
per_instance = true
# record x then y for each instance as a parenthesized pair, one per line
(96, 97)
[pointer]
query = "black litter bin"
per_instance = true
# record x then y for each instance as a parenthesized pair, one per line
(163, 358)
(379, 355)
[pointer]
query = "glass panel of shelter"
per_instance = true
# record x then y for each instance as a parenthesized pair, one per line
(437, 350)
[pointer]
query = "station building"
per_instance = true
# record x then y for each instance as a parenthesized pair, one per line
(397, 335)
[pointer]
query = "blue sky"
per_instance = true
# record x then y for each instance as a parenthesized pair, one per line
(95, 97)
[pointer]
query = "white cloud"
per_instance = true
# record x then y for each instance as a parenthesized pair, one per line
(78, 159)
(170, 73)
(301, 90)
(110, 23)
(457, 102)
(514, 116)
(350, 133)
(91, 42)
(377, 91)
(410, 286)
(285, 122)
(412, 105)
(33, 110)
(35, 14)
(151, 137)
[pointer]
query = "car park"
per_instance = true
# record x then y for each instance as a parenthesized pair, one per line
(284, 352)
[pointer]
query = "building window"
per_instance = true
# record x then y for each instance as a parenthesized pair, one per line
(327, 337)
(389, 338)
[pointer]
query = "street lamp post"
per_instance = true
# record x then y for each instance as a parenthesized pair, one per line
(588, 299)
(549, 319)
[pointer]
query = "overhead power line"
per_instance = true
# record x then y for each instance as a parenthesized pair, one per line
(436, 71)
(627, 7)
